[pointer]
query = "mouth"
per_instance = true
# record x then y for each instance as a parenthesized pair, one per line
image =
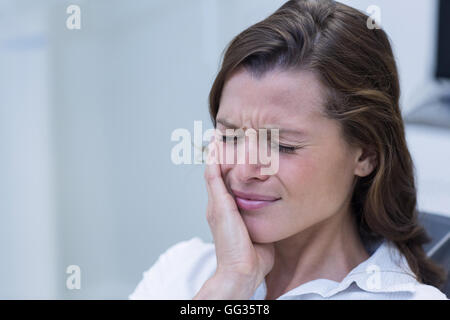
(251, 201)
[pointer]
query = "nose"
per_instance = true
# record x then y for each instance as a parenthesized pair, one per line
(248, 168)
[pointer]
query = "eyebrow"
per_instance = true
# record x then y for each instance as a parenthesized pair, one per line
(269, 126)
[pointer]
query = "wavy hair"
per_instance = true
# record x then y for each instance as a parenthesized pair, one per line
(356, 65)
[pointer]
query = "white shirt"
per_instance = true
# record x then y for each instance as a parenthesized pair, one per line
(181, 271)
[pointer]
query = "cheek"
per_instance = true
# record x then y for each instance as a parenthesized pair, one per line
(315, 180)
(297, 175)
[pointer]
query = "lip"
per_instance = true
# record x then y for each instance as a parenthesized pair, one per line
(252, 201)
(253, 196)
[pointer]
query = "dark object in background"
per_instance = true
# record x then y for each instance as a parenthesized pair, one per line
(435, 110)
(438, 228)
(443, 45)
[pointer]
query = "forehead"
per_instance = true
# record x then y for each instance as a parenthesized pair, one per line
(278, 97)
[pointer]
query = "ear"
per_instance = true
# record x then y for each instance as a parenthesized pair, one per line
(365, 162)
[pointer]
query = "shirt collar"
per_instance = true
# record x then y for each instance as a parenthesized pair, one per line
(386, 270)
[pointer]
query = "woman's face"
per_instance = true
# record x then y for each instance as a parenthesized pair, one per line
(314, 183)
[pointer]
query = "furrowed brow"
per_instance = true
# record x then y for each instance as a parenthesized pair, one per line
(268, 127)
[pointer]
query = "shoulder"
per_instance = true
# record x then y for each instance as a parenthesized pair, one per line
(179, 272)
(427, 292)
(418, 290)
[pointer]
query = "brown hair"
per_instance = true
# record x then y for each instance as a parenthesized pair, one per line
(356, 65)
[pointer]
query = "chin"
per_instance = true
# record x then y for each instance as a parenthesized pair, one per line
(261, 230)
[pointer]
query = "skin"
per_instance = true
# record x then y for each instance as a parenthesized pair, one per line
(309, 233)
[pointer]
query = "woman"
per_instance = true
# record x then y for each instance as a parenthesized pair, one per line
(338, 219)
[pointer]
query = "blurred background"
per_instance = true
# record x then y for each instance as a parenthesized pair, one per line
(86, 117)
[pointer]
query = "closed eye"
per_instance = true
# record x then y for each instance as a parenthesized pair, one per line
(282, 148)
(286, 149)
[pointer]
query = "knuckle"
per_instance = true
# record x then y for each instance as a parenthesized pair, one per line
(206, 174)
(210, 218)
(211, 214)
(209, 177)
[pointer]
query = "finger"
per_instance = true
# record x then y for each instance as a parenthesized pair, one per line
(217, 190)
(213, 174)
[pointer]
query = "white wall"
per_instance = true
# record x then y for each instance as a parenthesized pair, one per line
(28, 248)
(412, 27)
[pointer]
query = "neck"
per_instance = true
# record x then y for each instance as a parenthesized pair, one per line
(327, 250)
